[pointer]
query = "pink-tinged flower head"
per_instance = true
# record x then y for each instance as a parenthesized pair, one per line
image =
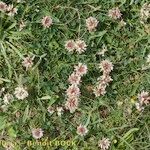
(114, 13)
(21, 93)
(106, 66)
(91, 23)
(70, 45)
(37, 133)
(72, 104)
(73, 91)
(99, 90)
(105, 79)
(81, 69)
(3, 6)
(47, 21)
(80, 46)
(27, 62)
(11, 10)
(104, 144)
(82, 130)
(74, 78)
(144, 98)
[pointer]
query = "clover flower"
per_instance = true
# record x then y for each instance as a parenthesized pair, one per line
(73, 90)
(7, 98)
(72, 104)
(106, 66)
(80, 46)
(27, 62)
(104, 144)
(74, 78)
(3, 6)
(82, 130)
(47, 21)
(70, 45)
(114, 13)
(145, 12)
(37, 133)
(81, 69)
(11, 10)
(21, 93)
(91, 24)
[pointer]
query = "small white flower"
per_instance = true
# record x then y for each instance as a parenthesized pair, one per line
(104, 144)
(81, 69)
(80, 46)
(7, 98)
(91, 23)
(148, 58)
(59, 111)
(47, 21)
(37, 133)
(139, 107)
(11, 10)
(50, 109)
(82, 130)
(3, 6)
(27, 62)
(145, 12)
(70, 45)
(21, 93)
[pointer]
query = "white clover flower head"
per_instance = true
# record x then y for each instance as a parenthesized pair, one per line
(37, 133)
(99, 90)
(106, 66)
(73, 91)
(144, 98)
(27, 62)
(50, 109)
(59, 111)
(11, 10)
(82, 130)
(7, 98)
(139, 107)
(114, 13)
(74, 78)
(21, 93)
(71, 104)
(148, 58)
(104, 144)
(47, 21)
(3, 6)
(105, 79)
(81, 69)
(91, 23)
(80, 46)
(70, 45)
(145, 12)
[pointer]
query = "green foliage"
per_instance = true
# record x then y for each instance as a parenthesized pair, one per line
(46, 82)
